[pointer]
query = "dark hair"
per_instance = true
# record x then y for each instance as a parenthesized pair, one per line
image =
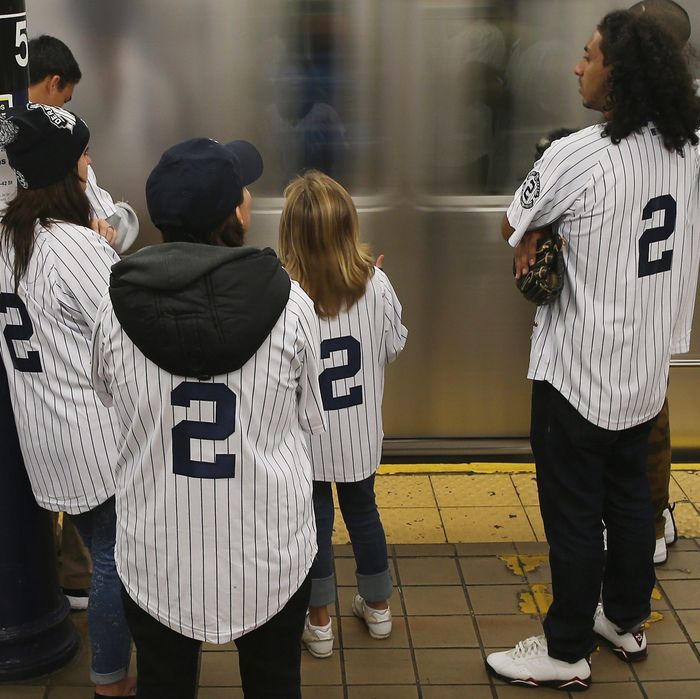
(649, 80)
(50, 56)
(64, 200)
(229, 233)
(669, 14)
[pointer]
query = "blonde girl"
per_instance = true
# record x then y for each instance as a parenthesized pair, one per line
(359, 317)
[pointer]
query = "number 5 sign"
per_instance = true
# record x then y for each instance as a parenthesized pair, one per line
(14, 54)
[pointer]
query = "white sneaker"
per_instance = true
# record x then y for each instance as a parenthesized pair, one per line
(378, 620)
(660, 552)
(670, 531)
(529, 665)
(628, 646)
(318, 639)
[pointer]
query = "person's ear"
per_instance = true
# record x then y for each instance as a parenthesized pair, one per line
(54, 83)
(239, 215)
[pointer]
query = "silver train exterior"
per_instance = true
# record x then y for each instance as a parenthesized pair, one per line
(428, 111)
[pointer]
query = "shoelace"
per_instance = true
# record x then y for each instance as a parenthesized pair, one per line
(535, 645)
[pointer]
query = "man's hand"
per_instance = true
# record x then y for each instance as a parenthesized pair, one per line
(526, 249)
(102, 227)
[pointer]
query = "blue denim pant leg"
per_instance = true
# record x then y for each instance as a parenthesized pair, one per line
(109, 635)
(359, 509)
(322, 576)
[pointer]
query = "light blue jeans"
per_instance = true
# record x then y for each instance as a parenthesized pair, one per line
(110, 640)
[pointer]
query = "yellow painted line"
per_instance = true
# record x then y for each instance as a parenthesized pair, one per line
(480, 468)
(522, 564)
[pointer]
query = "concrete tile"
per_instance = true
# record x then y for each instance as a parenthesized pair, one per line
(17, 691)
(472, 691)
(413, 525)
(435, 601)
(687, 520)
(533, 514)
(664, 629)
(321, 693)
(450, 666)
(376, 667)
(619, 690)
(320, 671)
(607, 667)
(534, 548)
(395, 692)
(491, 570)
(676, 690)
(503, 631)
(219, 670)
(423, 550)
(505, 691)
(689, 482)
(404, 491)
(497, 599)
(475, 524)
(77, 672)
(681, 565)
(431, 571)
(526, 487)
(443, 632)
(683, 545)
(669, 662)
(66, 693)
(690, 619)
(682, 594)
(675, 492)
(476, 490)
(355, 635)
(220, 693)
(491, 548)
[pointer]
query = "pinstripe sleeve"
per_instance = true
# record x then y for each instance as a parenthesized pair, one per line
(556, 181)
(395, 333)
(100, 200)
(311, 414)
(83, 263)
(100, 382)
(683, 325)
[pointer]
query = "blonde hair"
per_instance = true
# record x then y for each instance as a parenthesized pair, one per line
(319, 243)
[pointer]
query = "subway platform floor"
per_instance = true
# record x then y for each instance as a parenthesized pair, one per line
(470, 567)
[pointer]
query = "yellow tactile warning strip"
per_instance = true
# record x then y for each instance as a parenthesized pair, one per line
(481, 503)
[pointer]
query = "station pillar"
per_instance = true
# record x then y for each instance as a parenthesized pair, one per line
(36, 633)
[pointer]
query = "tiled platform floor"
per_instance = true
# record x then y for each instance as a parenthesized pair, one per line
(454, 602)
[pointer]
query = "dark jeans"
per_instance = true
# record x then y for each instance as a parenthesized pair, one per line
(269, 657)
(659, 467)
(359, 509)
(109, 634)
(586, 474)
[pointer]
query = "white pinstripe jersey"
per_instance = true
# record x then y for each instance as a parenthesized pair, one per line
(214, 557)
(356, 345)
(629, 214)
(67, 436)
(101, 201)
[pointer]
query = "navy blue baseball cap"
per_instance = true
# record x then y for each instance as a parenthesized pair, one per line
(43, 144)
(198, 183)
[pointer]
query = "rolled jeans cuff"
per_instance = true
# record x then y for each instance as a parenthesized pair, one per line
(322, 591)
(375, 588)
(109, 677)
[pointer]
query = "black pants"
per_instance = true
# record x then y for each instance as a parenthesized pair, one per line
(269, 657)
(586, 474)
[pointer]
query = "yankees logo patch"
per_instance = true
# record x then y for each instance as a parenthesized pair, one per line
(8, 132)
(531, 190)
(60, 118)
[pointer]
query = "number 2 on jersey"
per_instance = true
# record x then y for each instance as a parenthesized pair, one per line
(224, 399)
(16, 332)
(647, 267)
(353, 397)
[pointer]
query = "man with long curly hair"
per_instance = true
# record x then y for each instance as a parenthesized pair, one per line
(624, 196)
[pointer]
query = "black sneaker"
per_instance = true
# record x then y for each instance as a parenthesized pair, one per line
(77, 598)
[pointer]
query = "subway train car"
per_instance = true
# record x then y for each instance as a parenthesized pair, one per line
(428, 111)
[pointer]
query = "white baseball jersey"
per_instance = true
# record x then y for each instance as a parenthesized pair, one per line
(215, 527)
(629, 216)
(101, 201)
(67, 436)
(356, 345)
